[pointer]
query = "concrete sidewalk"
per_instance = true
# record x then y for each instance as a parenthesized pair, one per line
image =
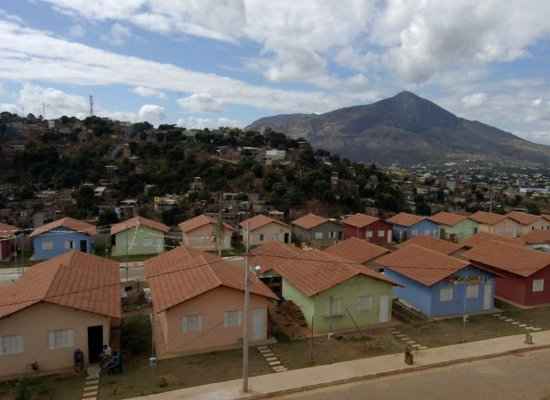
(310, 378)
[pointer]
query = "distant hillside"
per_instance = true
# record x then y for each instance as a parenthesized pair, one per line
(407, 129)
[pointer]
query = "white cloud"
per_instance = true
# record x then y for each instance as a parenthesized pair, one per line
(118, 35)
(474, 100)
(191, 122)
(11, 108)
(537, 102)
(77, 31)
(148, 92)
(201, 102)
(33, 99)
(151, 113)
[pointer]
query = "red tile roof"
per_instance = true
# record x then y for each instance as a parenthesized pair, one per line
(506, 257)
(311, 271)
(442, 246)
(447, 218)
(482, 237)
(136, 222)
(421, 264)
(75, 280)
(68, 223)
(7, 231)
(309, 221)
(184, 273)
(360, 220)
(546, 217)
(487, 218)
(523, 218)
(534, 237)
(200, 221)
(357, 250)
(259, 221)
(405, 219)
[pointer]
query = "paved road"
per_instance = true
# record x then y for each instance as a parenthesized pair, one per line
(518, 377)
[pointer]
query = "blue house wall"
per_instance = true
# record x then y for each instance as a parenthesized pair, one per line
(425, 227)
(59, 239)
(427, 299)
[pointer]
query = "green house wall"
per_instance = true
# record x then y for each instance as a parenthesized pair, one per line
(463, 230)
(318, 306)
(138, 241)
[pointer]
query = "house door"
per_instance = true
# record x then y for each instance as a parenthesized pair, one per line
(287, 237)
(84, 246)
(488, 296)
(95, 343)
(384, 314)
(259, 331)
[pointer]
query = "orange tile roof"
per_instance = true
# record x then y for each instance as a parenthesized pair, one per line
(7, 230)
(482, 237)
(523, 218)
(309, 271)
(405, 219)
(546, 217)
(442, 246)
(506, 257)
(309, 221)
(67, 222)
(184, 273)
(421, 264)
(487, 218)
(447, 218)
(200, 221)
(534, 237)
(136, 222)
(258, 221)
(360, 220)
(75, 280)
(357, 250)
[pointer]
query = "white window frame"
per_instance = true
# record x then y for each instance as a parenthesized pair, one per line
(47, 245)
(414, 232)
(472, 291)
(318, 235)
(335, 306)
(381, 233)
(11, 344)
(60, 339)
(446, 294)
(538, 285)
(69, 244)
(369, 234)
(191, 323)
(365, 303)
(232, 318)
(332, 235)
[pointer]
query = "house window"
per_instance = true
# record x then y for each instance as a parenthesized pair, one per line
(318, 235)
(472, 291)
(232, 319)
(538, 285)
(364, 303)
(61, 338)
(369, 234)
(446, 294)
(69, 244)
(191, 323)
(148, 242)
(11, 345)
(47, 245)
(261, 237)
(332, 235)
(335, 306)
(381, 234)
(414, 232)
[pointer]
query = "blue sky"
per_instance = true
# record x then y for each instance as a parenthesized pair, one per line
(227, 62)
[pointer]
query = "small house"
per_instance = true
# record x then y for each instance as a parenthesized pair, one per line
(437, 284)
(495, 223)
(406, 226)
(526, 222)
(359, 251)
(205, 233)
(261, 229)
(316, 231)
(138, 236)
(363, 226)
(61, 236)
(7, 242)
(536, 240)
(454, 227)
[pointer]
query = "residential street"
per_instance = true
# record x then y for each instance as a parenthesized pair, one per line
(523, 376)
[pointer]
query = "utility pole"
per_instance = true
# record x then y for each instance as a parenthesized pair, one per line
(245, 313)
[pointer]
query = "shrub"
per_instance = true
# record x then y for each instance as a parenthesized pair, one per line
(136, 335)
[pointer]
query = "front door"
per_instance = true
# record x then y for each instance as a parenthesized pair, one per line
(488, 296)
(384, 315)
(259, 331)
(287, 237)
(95, 343)
(84, 246)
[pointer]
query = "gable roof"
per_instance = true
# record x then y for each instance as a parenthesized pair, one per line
(487, 218)
(76, 280)
(534, 237)
(428, 242)
(67, 222)
(482, 237)
(310, 221)
(360, 220)
(405, 219)
(447, 218)
(137, 222)
(422, 265)
(311, 271)
(356, 250)
(200, 221)
(259, 221)
(184, 273)
(506, 257)
(7, 231)
(523, 218)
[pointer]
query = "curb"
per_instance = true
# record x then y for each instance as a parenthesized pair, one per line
(390, 373)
